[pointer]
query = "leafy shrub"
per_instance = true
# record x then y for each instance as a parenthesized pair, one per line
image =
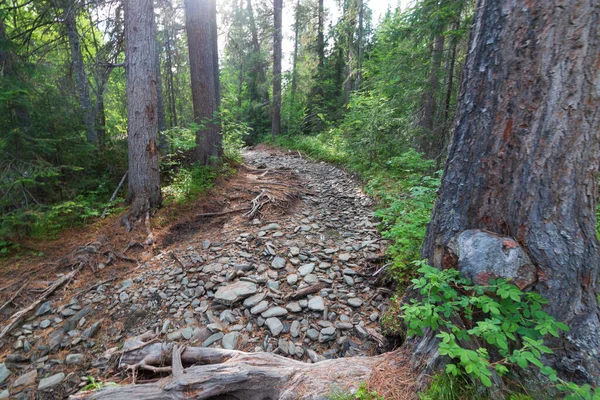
(509, 323)
(188, 182)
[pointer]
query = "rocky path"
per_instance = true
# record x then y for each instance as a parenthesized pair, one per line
(240, 285)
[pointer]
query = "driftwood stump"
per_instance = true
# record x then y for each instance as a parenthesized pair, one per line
(231, 374)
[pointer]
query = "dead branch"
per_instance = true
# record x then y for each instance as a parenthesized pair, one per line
(17, 317)
(306, 291)
(14, 296)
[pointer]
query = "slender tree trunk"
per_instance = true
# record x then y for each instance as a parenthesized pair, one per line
(144, 175)
(430, 140)
(160, 100)
(350, 21)
(101, 79)
(169, 65)
(524, 158)
(81, 80)
(360, 44)
(198, 24)
(215, 42)
(8, 69)
(276, 109)
(262, 76)
(320, 36)
(295, 55)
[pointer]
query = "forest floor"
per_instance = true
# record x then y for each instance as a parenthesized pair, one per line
(229, 270)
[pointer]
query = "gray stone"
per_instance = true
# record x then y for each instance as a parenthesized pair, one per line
(230, 341)
(55, 339)
(484, 255)
(187, 332)
(292, 279)
(165, 326)
(275, 326)
(213, 339)
(26, 379)
(374, 316)
(312, 355)
(284, 346)
(212, 268)
(4, 373)
(344, 257)
(235, 292)
(123, 297)
(45, 308)
(316, 303)
(67, 312)
(260, 307)
(271, 227)
(227, 316)
(278, 263)
(306, 269)
(355, 302)
(348, 280)
(295, 329)
(74, 359)
(91, 331)
(51, 381)
(71, 323)
(362, 332)
(274, 312)
(254, 300)
(45, 323)
(4, 394)
(312, 334)
(311, 279)
(294, 307)
(294, 251)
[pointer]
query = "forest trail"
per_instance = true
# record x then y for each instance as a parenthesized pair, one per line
(216, 278)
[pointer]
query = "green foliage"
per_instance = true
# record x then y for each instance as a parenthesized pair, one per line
(97, 385)
(235, 134)
(361, 394)
(189, 182)
(509, 325)
(450, 387)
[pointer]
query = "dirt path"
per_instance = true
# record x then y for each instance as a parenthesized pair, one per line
(223, 281)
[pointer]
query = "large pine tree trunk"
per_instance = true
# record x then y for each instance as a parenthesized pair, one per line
(198, 25)
(140, 36)
(524, 157)
(261, 85)
(276, 109)
(81, 79)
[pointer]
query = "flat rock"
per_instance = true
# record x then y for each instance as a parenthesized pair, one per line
(355, 302)
(292, 279)
(306, 269)
(26, 379)
(4, 394)
(230, 341)
(44, 308)
(278, 263)
(293, 307)
(4, 373)
(254, 299)
(235, 292)
(274, 312)
(275, 326)
(260, 307)
(213, 339)
(74, 359)
(51, 381)
(316, 303)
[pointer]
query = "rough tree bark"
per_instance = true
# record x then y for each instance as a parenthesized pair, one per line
(350, 17)
(277, 37)
(170, 83)
(81, 80)
(524, 158)
(160, 100)
(360, 44)
(198, 24)
(140, 36)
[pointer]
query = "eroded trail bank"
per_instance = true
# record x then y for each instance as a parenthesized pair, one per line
(293, 280)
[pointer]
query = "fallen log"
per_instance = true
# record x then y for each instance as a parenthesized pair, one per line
(234, 374)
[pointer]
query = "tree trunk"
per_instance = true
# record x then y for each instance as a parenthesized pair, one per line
(102, 76)
(350, 25)
(160, 101)
(81, 80)
(360, 43)
(144, 177)
(430, 134)
(276, 109)
(215, 42)
(198, 24)
(524, 161)
(295, 56)
(169, 65)
(262, 76)
(231, 374)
